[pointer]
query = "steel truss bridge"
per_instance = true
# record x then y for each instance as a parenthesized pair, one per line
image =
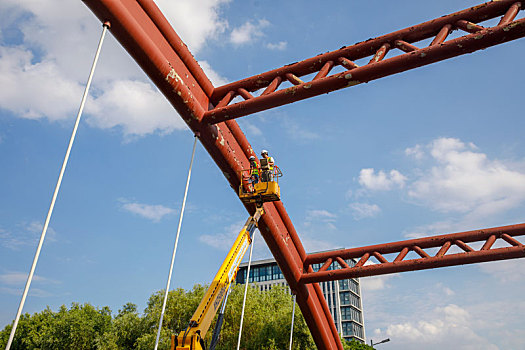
(210, 112)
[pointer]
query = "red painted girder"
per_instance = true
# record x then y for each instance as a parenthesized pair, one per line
(411, 57)
(427, 260)
(143, 32)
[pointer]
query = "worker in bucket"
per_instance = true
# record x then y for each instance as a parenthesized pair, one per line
(267, 164)
(254, 170)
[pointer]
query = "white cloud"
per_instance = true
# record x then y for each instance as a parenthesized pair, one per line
(41, 90)
(137, 107)
(436, 228)
(252, 129)
(248, 32)
(19, 278)
(196, 22)
(364, 210)
(373, 283)
(320, 219)
(416, 152)
(35, 90)
(312, 245)
(505, 271)
(33, 292)
(224, 241)
(280, 46)
(12, 283)
(43, 75)
(466, 181)
(215, 78)
(381, 181)
(25, 235)
(320, 214)
(448, 327)
(297, 132)
(153, 212)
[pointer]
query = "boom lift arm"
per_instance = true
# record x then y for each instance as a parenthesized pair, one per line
(193, 337)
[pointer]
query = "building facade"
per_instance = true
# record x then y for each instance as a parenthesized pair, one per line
(343, 297)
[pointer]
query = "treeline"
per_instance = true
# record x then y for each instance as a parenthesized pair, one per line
(266, 324)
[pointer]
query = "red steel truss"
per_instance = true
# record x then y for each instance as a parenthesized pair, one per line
(333, 265)
(145, 33)
(408, 57)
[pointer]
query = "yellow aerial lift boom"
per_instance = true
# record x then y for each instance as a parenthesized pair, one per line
(193, 337)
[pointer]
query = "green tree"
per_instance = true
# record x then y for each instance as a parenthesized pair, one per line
(79, 327)
(355, 345)
(267, 321)
(127, 327)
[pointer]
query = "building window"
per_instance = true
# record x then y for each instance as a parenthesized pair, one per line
(348, 298)
(351, 329)
(349, 313)
(276, 273)
(343, 284)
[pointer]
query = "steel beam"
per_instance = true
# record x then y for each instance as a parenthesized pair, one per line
(333, 265)
(142, 30)
(409, 57)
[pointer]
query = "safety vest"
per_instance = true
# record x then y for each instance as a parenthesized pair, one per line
(254, 167)
(270, 163)
(267, 164)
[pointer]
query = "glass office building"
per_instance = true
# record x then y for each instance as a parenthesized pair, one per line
(343, 297)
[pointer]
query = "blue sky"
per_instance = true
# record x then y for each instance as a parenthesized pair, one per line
(430, 151)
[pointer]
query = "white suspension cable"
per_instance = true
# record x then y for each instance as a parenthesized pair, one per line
(176, 244)
(245, 291)
(57, 188)
(293, 315)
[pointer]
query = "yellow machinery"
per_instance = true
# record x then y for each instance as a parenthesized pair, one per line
(262, 191)
(193, 337)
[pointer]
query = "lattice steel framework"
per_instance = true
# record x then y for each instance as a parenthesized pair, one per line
(209, 111)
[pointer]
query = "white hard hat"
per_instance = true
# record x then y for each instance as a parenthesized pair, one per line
(252, 158)
(264, 151)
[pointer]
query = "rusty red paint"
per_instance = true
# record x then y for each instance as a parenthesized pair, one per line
(424, 243)
(463, 245)
(342, 262)
(345, 62)
(144, 32)
(416, 264)
(292, 78)
(510, 14)
(325, 70)
(420, 252)
(444, 249)
(273, 85)
(364, 49)
(402, 254)
(511, 240)
(141, 37)
(441, 259)
(326, 265)
(468, 26)
(404, 46)
(244, 93)
(452, 48)
(489, 242)
(442, 35)
(177, 44)
(381, 53)
(439, 29)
